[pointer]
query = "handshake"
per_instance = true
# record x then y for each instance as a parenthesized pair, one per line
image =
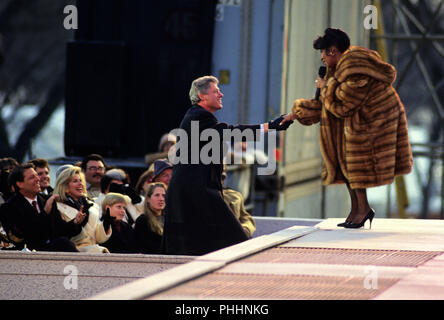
(280, 123)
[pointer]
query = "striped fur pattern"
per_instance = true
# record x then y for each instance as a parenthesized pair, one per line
(363, 125)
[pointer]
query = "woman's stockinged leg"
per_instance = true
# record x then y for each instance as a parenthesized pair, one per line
(363, 206)
(354, 206)
(360, 208)
(354, 203)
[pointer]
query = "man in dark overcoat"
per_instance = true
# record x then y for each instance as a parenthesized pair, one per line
(197, 219)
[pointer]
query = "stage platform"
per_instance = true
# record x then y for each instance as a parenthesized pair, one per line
(74, 276)
(306, 259)
(396, 259)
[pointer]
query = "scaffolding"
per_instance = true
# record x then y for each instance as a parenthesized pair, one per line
(422, 38)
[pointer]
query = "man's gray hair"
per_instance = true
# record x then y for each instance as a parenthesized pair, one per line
(201, 85)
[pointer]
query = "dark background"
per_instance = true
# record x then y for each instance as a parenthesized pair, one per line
(129, 70)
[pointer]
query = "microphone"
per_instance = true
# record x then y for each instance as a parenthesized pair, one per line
(321, 73)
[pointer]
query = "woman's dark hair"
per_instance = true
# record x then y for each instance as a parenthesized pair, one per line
(332, 37)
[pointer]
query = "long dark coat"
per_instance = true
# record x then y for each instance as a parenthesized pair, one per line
(198, 220)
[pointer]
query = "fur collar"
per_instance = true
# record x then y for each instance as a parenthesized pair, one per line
(358, 60)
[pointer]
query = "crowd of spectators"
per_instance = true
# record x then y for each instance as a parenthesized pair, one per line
(92, 207)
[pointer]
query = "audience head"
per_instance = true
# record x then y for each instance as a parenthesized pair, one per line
(24, 179)
(6, 166)
(166, 142)
(115, 176)
(144, 180)
(117, 181)
(8, 163)
(116, 203)
(163, 171)
(70, 183)
(93, 166)
(42, 169)
(61, 168)
(155, 197)
(154, 206)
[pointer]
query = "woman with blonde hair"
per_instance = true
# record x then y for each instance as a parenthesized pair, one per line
(73, 202)
(149, 225)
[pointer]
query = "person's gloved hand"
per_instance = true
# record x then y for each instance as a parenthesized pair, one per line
(87, 205)
(276, 123)
(107, 219)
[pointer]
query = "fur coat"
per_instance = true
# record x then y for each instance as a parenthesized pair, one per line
(363, 125)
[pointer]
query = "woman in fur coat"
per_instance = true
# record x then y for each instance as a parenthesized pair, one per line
(363, 126)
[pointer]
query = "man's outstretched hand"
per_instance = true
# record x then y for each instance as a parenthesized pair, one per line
(288, 118)
(280, 123)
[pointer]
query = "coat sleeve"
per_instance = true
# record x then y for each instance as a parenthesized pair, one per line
(100, 233)
(211, 122)
(343, 99)
(307, 112)
(63, 228)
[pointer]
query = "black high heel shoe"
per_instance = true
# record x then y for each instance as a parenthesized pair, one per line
(369, 216)
(343, 224)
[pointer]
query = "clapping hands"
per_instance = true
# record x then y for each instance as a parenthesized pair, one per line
(80, 216)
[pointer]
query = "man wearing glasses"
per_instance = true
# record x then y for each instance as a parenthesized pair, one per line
(93, 167)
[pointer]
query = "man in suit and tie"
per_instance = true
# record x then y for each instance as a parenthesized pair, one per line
(31, 218)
